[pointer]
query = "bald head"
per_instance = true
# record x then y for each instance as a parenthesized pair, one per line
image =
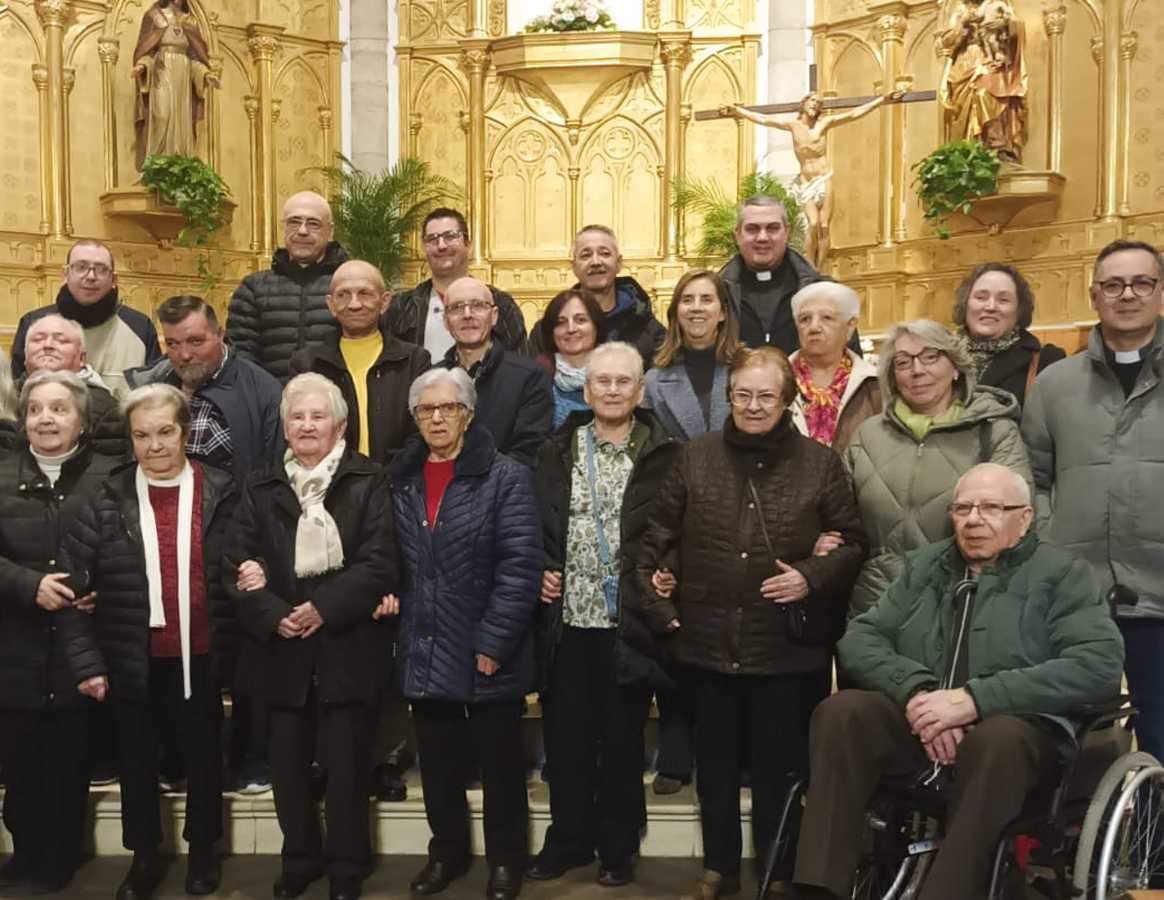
(991, 513)
(358, 298)
(55, 344)
(1009, 484)
(307, 227)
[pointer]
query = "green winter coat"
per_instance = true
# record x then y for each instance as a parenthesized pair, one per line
(1042, 639)
(904, 485)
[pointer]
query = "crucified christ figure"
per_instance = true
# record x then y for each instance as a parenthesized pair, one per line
(812, 188)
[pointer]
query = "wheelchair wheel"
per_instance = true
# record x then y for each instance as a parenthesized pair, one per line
(1121, 841)
(888, 870)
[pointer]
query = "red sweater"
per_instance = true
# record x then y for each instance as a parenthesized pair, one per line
(168, 641)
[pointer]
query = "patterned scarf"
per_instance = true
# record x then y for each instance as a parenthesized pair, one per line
(822, 405)
(983, 352)
(318, 547)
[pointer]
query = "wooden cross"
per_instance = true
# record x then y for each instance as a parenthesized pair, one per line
(833, 103)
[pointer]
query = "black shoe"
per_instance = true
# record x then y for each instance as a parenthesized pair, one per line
(617, 876)
(345, 888)
(545, 867)
(292, 884)
(436, 875)
(16, 871)
(387, 785)
(142, 879)
(203, 870)
(504, 883)
(51, 882)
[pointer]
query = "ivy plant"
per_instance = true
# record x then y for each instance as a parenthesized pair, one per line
(952, 177)
(200, 194)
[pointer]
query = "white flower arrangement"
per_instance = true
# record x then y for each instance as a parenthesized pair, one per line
(574, 15)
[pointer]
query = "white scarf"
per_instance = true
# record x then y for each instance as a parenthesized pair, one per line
(153, 561)
(318, 547)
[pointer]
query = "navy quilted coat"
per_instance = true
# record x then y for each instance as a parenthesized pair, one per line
(470, 583)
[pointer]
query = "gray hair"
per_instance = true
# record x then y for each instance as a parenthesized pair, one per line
(843, 297)
(458, 378)
(77, 387)
(930, 334)
(151, 396)
(616, 348)
(601, 229)
(75, 326)
(761, 200)
(314, 383)
(1020, 490)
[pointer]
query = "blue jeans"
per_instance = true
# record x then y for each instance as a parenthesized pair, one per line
(1144, 666)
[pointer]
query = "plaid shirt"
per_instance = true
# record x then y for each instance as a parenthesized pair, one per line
(209, 432)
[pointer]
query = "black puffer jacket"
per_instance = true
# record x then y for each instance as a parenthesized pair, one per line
(1010, 369)
(34, 673)
(106, 428)
(277, 311)
(706, 513)
(104, 541)
(639, 655)
(636, 325)
(342, 656)
(407, 315)
(389, 422)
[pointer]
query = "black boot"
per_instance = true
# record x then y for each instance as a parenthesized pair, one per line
(203, 869)
(143, 877)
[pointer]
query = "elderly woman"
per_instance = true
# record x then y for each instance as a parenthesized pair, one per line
(574, 324)
(993, 308)
(836, 390)
(160, 643)
(471, 556)
(937, 424)
(43, 720)
(309, 558)
(755, 610)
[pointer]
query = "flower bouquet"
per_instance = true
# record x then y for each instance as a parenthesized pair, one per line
(573, 15)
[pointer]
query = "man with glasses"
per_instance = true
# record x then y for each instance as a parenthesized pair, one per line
(978, 655)
(1094, 426)
(514, 400)
(417, 316)
(116, 337)
(282, 309)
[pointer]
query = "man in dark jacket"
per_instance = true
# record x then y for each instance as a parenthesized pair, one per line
(116, 336)
(280, 310)
(597, 659)
(978, 654)
(514, 400)
(417, 316)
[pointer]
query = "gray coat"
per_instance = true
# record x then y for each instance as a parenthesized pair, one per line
(1098, 462)
(670, 394)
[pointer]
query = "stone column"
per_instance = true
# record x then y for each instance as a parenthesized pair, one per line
(54, 15)
(675, 51)
(370, 94)
(1054, 22)
(263, 43)
(475, 61)
(108, 51)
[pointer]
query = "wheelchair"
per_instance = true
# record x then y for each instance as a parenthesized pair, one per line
(1096, 835)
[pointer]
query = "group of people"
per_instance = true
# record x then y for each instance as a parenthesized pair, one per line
(346, 506)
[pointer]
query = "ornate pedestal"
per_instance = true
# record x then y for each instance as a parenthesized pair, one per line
(1020, 191)
(145, 209)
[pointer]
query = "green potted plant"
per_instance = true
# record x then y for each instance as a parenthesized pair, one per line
(952, 177)
(199, 194)
(376, 215)
(709, 200)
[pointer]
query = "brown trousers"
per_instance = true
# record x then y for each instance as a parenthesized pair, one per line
(857, 737)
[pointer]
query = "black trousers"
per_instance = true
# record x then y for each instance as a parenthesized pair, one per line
(45, 757)
(446, 735)
(198, 724)
(593, 730)
(676, 755)
(394, 742)
(763, 719)
(860, 736)
(342, 733)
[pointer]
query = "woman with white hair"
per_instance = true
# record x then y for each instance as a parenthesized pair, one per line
(471, 569)
(310, 555)
(836, 390)
(937, 424)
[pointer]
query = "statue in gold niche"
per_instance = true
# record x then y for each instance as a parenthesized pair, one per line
(984, 87)
(171, 67)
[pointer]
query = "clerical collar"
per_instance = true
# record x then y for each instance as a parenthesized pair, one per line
(765, 275)
(1127, 356)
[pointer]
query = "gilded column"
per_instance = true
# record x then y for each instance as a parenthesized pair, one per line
(263, 43)
(251, 105)
(475, 61)
(210, 122)
(40, 79)
(1054, 21)
(891, 30)
(674, 50)
(53, 15)
(1111, 132)
(69, 79)
(325, 135)
(1129, 41)
(684, 123)
(108, 50)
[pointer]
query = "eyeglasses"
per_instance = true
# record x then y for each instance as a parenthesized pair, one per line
(903, 361)
(449, 237)
(743, 399)
(988, 509)
(606, 382)
(366, 297)
(459, 309)
(81, 269)
(295, 223)
(425, 411)
(1113, 288)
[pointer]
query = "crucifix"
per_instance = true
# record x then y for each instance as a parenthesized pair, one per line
(812, 188)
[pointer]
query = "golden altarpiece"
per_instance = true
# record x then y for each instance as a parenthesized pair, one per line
(550, 132)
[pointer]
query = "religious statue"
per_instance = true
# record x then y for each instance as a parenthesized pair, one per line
(172, 69)
(984, 86)
(812, 188)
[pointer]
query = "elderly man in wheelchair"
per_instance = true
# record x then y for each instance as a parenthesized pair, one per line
(973, 669)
